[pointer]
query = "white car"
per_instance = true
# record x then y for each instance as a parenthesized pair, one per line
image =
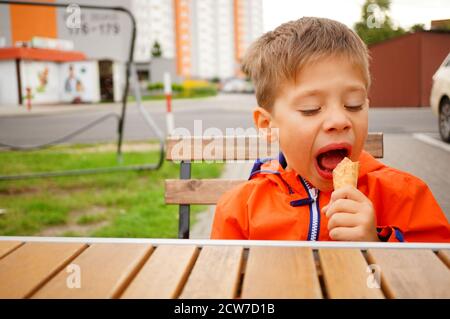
(440, 98)
(236, 85)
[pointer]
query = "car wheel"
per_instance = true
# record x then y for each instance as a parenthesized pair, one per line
(444, 120)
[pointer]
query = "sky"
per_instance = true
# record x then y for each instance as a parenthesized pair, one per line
(404, 13)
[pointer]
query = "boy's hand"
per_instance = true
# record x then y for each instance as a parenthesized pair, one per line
(351, 216)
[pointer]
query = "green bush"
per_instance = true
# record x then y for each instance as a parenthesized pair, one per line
(177, 88)
(155, 86)
(184, 90)
(158, 86)
(200, 92)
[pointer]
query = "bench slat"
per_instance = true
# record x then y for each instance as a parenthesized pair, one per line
(281, 272)
(164, 274)
(445, 256)
(217, 148)
(345, 274)
(26, 269)
(7, 246)
(239, 148)
(197, 191)
(411, 273)
(105, 270)
(374, 144)
(215, 274)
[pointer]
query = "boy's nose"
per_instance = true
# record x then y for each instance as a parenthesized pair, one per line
(337, 120)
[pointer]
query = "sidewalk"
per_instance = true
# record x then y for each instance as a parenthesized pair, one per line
(21, 110)
(202, 227)
(228, 102)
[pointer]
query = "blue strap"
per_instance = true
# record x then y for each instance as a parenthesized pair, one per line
(257, 169)
(399, 235)
(260, 161)
(301, 202)
(257, 166)
(282, 160)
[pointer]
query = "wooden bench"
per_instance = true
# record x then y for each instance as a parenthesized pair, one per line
(187, 191)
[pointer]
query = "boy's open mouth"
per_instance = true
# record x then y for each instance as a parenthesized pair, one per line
(329, 157)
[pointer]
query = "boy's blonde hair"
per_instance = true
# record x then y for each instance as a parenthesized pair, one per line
(278, 55)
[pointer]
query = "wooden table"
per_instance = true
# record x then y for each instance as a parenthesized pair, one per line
(33, 267)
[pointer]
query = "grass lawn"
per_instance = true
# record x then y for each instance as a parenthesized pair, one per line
(123, 204)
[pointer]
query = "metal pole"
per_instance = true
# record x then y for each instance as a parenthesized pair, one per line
(184, 209)
(240, 243)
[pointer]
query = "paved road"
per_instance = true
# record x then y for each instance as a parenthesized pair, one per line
(224, 111)
(402, 149)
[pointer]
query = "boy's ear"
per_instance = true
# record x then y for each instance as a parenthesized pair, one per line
(264, 123)
(261, 118)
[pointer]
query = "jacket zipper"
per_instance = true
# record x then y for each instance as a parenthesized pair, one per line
(315, 212)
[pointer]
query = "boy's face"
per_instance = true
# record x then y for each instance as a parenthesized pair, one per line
(321, 118)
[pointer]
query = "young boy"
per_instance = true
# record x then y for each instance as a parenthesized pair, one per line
(312, 79)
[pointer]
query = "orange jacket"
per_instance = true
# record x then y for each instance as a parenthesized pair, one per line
(275, 205)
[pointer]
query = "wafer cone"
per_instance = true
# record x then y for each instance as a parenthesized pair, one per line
(345, 173)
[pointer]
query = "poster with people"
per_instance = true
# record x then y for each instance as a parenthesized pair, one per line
(80, 82)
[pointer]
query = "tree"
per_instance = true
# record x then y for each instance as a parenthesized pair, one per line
(417, 27)
(376, 24)
(156, 50)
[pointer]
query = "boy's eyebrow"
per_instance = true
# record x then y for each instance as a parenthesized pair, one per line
(307, 93)
(316, 92)
(352, 88)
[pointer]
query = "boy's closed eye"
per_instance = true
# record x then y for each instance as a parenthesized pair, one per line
(309, 110)
(354, 107)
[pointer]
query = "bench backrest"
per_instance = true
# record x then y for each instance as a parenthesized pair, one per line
(186, 191)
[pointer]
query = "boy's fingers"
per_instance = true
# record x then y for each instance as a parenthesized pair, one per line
(348, 192)
(347, 234)
(343, 220)
(341, 206)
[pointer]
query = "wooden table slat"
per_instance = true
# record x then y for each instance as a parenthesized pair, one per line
(345, 274)
(7, 246)
(31, 265)
(281, 272)
(216, 273)
(411, 273)
(445, 256)
(164, 274)
(105, 271)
